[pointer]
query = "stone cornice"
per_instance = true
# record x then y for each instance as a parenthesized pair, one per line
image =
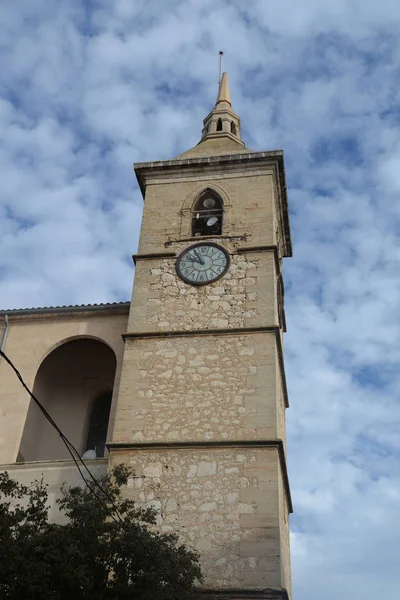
(251, 157)
(207, 238)
(153, 256)
(51, 311)
(270, 593)
(62, 463)
(242, 250)
(220, 134)
(229, 238)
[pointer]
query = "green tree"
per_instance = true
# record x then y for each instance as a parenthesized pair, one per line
(93, 556)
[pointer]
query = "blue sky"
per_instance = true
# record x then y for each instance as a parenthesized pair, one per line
(88, 88)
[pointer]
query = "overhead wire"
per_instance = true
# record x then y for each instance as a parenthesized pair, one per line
(70, 447)
(72, 450)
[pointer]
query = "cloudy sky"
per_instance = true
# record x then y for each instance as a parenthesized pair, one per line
(89, 87)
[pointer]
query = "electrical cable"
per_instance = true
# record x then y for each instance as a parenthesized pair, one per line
(71, 449)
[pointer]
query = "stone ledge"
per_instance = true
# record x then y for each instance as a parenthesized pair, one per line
(50, 464)
(244, 594)
(153, 256)
(222, 158)
(66, 311)
(200, 332)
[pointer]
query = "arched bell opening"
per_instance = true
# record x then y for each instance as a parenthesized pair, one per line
(233, 128)
(74, 383)
(219, 125)
(207, 215)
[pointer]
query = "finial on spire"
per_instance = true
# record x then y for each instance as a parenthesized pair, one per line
(220, 66)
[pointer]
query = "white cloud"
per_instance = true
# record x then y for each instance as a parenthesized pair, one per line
(88, 89)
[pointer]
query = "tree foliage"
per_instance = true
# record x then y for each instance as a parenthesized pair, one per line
(92, 556)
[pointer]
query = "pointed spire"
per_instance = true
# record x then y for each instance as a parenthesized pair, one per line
(222, 121)
(221, 130)
(224, 94)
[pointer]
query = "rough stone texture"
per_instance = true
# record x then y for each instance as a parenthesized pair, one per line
(209, 387)
(224, 503)
(244, 297)
(284, 536)
(222, 305)
(198, 388)
(280, 407)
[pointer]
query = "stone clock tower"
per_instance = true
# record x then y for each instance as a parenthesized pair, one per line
(201, 406)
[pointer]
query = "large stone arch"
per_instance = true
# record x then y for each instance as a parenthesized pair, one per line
(68, 381)
(72, 338)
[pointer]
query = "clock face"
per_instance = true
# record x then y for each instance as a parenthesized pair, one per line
(202, 263)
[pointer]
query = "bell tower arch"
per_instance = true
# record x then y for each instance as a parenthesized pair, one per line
(201, 407)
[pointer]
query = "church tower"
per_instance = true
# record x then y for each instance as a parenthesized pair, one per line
(201, 407)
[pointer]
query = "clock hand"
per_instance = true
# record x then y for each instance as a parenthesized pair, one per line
(194, 258)
(199, 259)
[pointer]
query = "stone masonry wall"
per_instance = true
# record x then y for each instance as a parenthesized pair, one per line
(224, 503)
(284, 537)
(244, 297)
(248, 198)
(280, 406)
(188, 393)
(198, 388)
